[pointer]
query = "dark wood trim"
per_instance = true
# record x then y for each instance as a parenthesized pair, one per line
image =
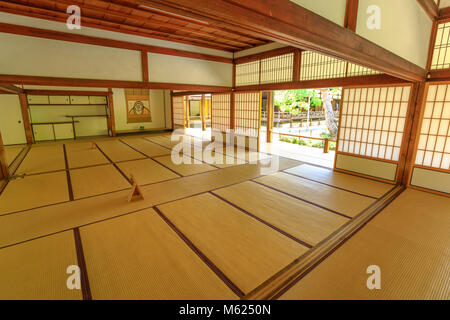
(430, 7)
(9, 88)
(444, 14)
(193, 93)
(85, 286)
(69, 181)
(26, 117)
(431, 45)
(439, 75)
(297, 65)
(72, 37)
(351, 14)
(66, 93)
(265, 54)
(4, 170)
(378, 79)
(409, 132)
(282, 25)
(111, 120)
(76, 82)
(144, 64)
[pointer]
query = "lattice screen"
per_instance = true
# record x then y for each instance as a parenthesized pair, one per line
(354, 70)
(277, 69)
(373, 121)
(441, 56)
(178, 111)
(247, 73)
(433, 149)
(220, 112)
(318, 66)
(247, 114)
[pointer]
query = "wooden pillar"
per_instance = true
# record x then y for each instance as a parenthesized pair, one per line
(111, 120)
(269, 116)
(26, 117)
(144, 63)
(232, 110)
(297, 64)
(4, 171)
(203, 112)
(411, 133)
(187, 112)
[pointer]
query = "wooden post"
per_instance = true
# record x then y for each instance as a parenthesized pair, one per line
(187, 111)
(297, 63)
(203, 112)
(326, 146)
(269, 116)
(4, 171)
(144, 63)
(26, 117)
(111, 120)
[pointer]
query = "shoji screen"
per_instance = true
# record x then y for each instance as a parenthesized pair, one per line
(220, 111)
(441, 54)
(371, 127)
(248, 115)
(432, 155)
(277, 69)
(315, 66)
(247, 73)
(178, 111)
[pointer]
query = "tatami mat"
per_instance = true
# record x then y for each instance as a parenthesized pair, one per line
(43, 159)
(164, 141)
(38, 222)
(11, 152)
(300, 219)
(420, 217)
(118, 151)
(149, 148)
(37, 269)
(83, 155)
(146, 171)
(220, 160)
(408, 240)
(97, 180)
(188, 167)
(341, 180)
(340, 201)
(408, 270)
(34, 191)
(246, 250)
(139, 256)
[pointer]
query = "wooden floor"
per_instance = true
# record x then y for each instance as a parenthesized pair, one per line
(205, 230)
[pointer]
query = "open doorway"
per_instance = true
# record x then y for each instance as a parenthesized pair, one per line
(301, 124)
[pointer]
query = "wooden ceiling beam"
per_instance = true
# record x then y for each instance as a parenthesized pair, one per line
(9, 88)
(351, 14)
(94, 83)
(294, 25)
(378, 79)
(61, 16)
(430, 7)
(72, 37)
(154, 23)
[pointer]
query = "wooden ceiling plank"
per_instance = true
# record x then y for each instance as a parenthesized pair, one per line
(63, 17)
(150, 22)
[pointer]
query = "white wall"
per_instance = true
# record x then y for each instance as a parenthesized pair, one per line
(172, 69)
(22, 55)
(333, 10)
(58, 26)
(158, 105)
(405, 28)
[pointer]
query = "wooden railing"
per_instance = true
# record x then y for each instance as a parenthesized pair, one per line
(326, 145)
(277, 116)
